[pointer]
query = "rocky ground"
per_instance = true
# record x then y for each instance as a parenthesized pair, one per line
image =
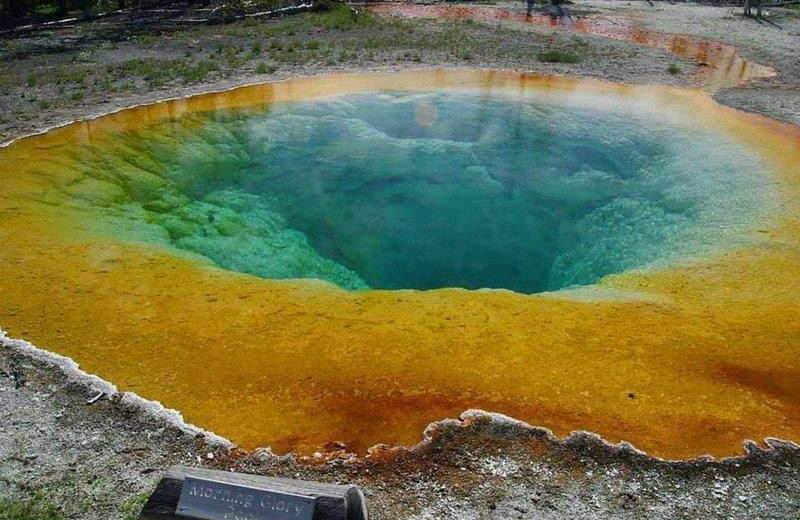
(73, 71)
(71, 447)
(774, 43)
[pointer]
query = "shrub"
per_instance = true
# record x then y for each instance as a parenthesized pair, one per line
(263, 68)
(342, 17)
(198, 72)
(556, 56)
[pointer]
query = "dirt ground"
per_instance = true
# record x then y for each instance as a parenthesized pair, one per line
(774, 43)
(67, 453)
(75, 71)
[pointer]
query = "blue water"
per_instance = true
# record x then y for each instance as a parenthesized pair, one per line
(399, 190)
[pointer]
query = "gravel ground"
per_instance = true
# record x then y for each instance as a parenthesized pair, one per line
(775, 44)
(62, 455)
(77, 71)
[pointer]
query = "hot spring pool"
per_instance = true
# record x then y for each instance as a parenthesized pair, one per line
(402, 189)
(297, 263)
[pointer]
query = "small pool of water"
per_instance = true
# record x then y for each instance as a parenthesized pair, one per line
(398, 189)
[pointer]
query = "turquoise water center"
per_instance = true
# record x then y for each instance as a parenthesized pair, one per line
(427, 189)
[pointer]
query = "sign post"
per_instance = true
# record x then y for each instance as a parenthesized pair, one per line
(193, 493)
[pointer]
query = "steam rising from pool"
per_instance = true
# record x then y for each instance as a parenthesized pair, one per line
(401, 190)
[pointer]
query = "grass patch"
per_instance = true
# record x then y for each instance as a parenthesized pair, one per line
(341, 17)
(145, 40)
(674, 69)
(34, 508)
(45, 8)
(337, 17)
(154, 72)
(104, 84)
(290, 27)
(263, 68)
(66, 75)
(331, 16)
(413, 56)
(197, 72)
(11, 46)
(160, 72)
(557, 56)
(132, 508)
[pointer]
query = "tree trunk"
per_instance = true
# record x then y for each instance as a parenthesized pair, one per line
(120, 4)
(747, 8)
(760, 11)
(62, 6)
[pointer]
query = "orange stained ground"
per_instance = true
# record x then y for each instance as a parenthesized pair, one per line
(710, 350)
(719, 64)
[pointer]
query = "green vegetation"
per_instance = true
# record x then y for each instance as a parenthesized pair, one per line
(157, 57)
(67, 74)
(341, 17)
(132, 508)
(558, 56)
(74, 497)
(338, 35)
(263, 68)
(56, 8)
(674, 69)
(157, 72)
(44, 9)
(197, 72)
(325, 37)
(145, 40)
(104, 84)
(33, 508)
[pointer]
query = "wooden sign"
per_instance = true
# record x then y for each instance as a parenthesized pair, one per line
(203, 494)
(212, 499)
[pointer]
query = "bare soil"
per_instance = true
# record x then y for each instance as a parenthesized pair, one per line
(774, 42)
(52, 76)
